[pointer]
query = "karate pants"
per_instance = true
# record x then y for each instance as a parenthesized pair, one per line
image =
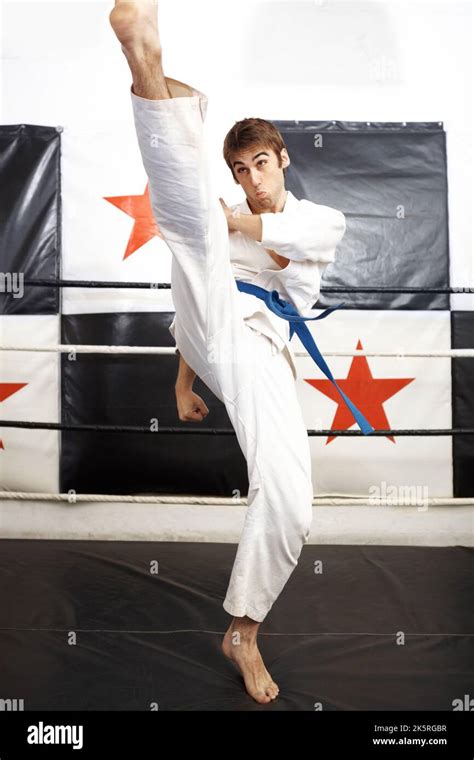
(241, 366)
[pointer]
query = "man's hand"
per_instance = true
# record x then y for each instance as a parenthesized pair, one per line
(230, 215)
(251, 225)
(191, 407)
(248, 224)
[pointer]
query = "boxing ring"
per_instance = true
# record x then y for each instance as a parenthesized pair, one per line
(373, 621)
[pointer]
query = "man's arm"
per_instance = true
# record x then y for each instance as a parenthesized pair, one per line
(309, 232)
(251, 225)
(186, 376)
(191, 407)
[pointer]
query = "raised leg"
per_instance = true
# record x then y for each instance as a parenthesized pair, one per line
(169, 118)
(136, 26)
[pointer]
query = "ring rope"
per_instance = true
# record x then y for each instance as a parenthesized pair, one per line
(460, 353)
(166, 286)
(322, 500)
(217, 431)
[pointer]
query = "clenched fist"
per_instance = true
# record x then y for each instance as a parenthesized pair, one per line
(191, 407)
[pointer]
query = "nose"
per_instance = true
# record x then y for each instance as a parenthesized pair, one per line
(255, 177)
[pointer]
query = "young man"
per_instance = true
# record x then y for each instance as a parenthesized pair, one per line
(230, 339)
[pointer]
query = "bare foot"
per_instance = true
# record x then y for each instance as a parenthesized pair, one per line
(241, 647)
(135, 23)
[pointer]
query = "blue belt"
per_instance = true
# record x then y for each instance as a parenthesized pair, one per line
(287, 311)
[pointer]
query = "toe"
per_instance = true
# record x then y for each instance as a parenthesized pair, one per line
(272, 692)
(273, 685)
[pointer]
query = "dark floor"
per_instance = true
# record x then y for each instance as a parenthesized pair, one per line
(91, 625)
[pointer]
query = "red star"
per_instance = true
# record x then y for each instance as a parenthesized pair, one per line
(139, 208)
(7, 390)
(366, 392)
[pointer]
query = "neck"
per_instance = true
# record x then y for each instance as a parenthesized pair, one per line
(280, 203)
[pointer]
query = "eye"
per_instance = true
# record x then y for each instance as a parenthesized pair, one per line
(242, 169)
(262, 161)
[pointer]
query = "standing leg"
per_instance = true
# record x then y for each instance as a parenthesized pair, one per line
(277, 523)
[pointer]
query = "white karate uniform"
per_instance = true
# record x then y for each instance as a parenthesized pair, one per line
(238, 348)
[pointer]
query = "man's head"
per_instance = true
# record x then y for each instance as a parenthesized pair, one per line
(257, 157)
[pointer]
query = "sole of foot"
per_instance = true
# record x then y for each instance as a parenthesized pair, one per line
(136, 25)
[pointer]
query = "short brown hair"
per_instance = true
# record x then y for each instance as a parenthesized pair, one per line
(250, 132)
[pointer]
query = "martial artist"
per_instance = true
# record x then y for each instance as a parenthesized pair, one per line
(229, 338)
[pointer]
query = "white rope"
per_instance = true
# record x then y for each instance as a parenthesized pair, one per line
(448, 353)
(324, 500)
(66, 349)
(162, 350)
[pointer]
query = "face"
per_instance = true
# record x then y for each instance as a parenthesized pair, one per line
(260, 176)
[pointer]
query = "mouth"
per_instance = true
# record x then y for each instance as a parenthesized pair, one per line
(261, 194)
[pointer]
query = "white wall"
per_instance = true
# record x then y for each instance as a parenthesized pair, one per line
(288, 59)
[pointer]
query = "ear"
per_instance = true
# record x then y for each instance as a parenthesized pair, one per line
(285, 159)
